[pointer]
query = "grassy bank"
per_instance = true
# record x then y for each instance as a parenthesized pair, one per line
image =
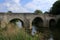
(11, 32)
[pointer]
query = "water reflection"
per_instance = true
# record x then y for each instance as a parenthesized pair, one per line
(33, 30)
(19, 24)
(51, 37)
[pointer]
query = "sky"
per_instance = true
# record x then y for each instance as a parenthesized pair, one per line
(25, 5)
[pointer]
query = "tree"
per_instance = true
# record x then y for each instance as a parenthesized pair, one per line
(38, 11)
(58, 0)
(55, 10)
(46, 12)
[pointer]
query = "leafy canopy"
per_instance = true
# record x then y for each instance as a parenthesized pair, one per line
(38, 11)
(55, 10)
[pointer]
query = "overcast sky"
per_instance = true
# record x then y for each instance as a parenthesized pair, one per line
(25, 5)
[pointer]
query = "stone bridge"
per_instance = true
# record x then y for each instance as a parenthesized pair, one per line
(27, 19)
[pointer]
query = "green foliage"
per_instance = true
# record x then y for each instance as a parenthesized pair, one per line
(19, 34)
(46, 12)
(38, 12)
(12, 32)
(58, 0)
(55, 10)
(9, 12)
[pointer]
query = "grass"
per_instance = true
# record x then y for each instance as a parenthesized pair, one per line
(11, 32)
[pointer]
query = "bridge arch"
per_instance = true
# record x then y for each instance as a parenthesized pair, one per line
(17, 21)
(37, 23)
(52, 24)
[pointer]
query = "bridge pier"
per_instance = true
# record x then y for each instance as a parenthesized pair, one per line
(3, 24)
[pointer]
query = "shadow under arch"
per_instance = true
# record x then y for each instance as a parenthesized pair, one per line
(52, 24)
(37, 23)
(58, 24)
(14, 20)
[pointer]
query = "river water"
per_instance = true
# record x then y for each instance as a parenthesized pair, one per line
(34, 31)
(51, 37)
